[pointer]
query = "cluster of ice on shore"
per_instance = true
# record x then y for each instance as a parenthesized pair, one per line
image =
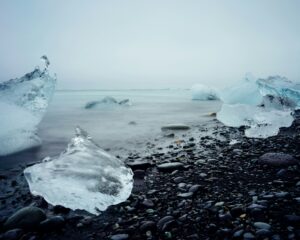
(23, 102)
(262, 105)
(83, 177)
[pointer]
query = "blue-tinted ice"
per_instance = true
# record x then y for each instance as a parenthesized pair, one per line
(203, 93)
(263, 105)
(23, 103)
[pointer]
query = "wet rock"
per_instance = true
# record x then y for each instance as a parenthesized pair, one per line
(139, 165)
(169, 135)
(193, 237)
(25, 218)
(60, 209)
(148, 203)
(13, 234)
(185, 195)
(248, 236)
(139, 174)
(225, 217)
(238, 234)
(194, 188)
(148, 225)
(277, 159)
(169, 167)
(52, 224)
(219, 204)
(175, 127)
(236, 211)
(263, 233)
(163, 223)
(293, 220)
(178, 179)
(119, 237)
(257, 214)
(262, 225)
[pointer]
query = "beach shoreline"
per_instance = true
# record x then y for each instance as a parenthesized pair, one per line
(219, 190)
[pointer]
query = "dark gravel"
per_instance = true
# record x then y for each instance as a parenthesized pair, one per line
(218, 191)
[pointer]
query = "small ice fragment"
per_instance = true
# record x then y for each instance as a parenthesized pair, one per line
(107, 102)
(202, 92)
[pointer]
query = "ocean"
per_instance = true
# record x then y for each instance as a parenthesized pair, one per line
(118, 129)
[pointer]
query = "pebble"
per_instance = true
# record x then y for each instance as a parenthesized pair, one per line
(178, 179)
(148, 203)
(262, 225)
(161, 224)
(25, 218)
(263, 233)
(52, 224)
(119, 237)
(194, 188)
(277, 159)
(143, 165)
(248, 236)
(166, 167)
(13, 234)
(219, 204)
(185, 195)
(148, 225)
(292, 219)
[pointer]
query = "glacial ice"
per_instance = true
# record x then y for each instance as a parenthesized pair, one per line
(107, 102)
(82, 177)
(202, 92)
(23, 103)
(262, 105)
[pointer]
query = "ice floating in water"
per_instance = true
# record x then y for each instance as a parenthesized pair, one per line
(23, 103)
(202, 92)
(82, 177)
(263, 105)
(107, 101)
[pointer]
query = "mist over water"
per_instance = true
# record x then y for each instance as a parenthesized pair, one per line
(111, 126)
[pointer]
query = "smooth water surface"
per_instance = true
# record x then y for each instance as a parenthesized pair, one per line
(111, 126)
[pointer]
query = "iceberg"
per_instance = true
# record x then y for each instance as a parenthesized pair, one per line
(23, 103)
(262, 105)
(107, 101)
(202, 92)
(83, 177)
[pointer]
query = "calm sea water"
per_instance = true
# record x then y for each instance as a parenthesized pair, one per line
(109, 125)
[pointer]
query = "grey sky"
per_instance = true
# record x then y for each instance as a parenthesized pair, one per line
(150, 44)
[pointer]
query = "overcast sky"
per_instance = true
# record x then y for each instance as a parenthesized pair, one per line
(150, 44)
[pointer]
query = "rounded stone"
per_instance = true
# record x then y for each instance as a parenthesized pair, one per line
(25, 218)
(277, 159)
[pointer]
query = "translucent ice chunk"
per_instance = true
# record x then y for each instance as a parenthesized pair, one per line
(262, 105)
(23, 103)
(82, 177)
(280, 86)
(261, 123)
(107, 102)
(202, 92)
(245, 92)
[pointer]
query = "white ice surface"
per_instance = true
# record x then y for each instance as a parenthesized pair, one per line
(23, 103)
(202, 92)
(262, 105)
(83, 177)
